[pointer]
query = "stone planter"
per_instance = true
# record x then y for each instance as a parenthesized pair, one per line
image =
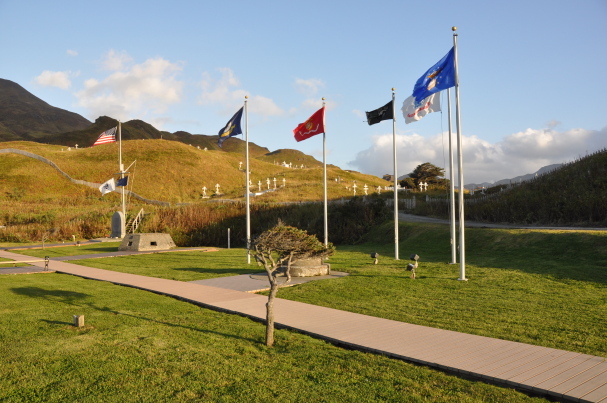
(308, 268)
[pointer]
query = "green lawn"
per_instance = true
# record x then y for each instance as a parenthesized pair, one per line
(539, 287)
(86, 249)
(139, 346)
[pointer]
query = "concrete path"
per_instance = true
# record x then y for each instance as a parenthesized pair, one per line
(563, 375)
(259, 281)
(475, 224)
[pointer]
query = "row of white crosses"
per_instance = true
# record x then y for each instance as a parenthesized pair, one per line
(204, 190)
(422, 185)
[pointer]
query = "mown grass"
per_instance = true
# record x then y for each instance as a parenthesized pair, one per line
(139, 346)
(85, 249)
(545, 288)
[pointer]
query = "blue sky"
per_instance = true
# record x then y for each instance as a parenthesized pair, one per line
(531, 72)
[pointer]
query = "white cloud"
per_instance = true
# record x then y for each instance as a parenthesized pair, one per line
(308, 87)
(553, 123)
(72, 52)
(59, 79)
(317, 104)
(116, 61)
(519, 153)
(151, 85)
(227, 93)
(358, 113)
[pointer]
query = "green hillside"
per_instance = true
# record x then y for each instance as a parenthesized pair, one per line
(575, 194)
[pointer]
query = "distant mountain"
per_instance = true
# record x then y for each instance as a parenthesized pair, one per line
(525, 177)
(23, 116)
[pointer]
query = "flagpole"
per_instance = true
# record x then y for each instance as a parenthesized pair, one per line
(122, 229)
(395, 179)
(246, 129)
(452, 183)
(462, 244)
(324, 173)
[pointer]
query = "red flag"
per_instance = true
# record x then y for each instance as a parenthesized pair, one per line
(313, 126)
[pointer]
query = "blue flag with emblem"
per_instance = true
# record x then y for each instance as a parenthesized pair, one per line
(122, 182)
(232, 128)
(438, 77)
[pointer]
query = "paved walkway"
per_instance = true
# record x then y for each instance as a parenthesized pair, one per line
(561, 374)
(475, 224)
(259, 281)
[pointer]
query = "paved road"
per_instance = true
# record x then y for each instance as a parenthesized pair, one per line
(475, 224)
(561, 374)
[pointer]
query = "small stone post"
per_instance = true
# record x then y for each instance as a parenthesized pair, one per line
(79, 320)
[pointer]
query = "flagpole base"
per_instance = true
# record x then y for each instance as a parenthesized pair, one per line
(462, 279)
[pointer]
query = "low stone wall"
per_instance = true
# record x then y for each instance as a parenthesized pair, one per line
(309, 268)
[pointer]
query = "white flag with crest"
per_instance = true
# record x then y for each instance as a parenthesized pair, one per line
(413, 111)
(107, 187)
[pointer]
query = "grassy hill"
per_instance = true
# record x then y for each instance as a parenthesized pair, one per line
(23, 116)
(140, 130)
(575, 194)
(36, 196)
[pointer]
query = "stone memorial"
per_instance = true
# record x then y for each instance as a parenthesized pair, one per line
(144, 242)
(309, 268)
(117, 225)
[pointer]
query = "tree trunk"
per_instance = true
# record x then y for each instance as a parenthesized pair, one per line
(270, 313)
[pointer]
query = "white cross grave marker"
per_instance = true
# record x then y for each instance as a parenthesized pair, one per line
(366, 189)
(259, 184)
(274, 183)
(421, 185)
(290, 163)
(240, 165)
(217, 188)
(379, 190)
(69, 148)
(426, 186)
(354, 187)
(301, 166)
(268, 182)
(284, 182)
(76, 146)
(204, 191)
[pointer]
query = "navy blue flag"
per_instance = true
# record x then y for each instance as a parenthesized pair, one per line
(232, 128)
(122, 182)
(438, 77)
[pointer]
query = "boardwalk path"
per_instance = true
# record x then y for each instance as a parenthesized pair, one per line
(561, 374)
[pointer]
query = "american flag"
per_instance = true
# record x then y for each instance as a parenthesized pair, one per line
(108, 136)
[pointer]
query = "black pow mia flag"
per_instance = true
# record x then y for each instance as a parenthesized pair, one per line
(386, 112)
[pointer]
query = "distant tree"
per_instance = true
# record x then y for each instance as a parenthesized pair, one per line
(282, 245)
(429, 173)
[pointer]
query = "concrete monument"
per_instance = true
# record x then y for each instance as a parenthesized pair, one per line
(143, 242)
(118, 225)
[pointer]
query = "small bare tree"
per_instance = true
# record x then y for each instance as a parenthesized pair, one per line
(279, 246)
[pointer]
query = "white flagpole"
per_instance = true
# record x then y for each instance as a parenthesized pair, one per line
(451, 177)
(462, 244)
(122, 229)
(324, 173)
(246, 129)
(395, 178)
